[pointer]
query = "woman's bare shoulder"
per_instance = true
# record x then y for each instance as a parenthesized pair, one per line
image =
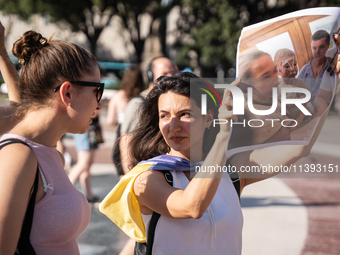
(144, 179)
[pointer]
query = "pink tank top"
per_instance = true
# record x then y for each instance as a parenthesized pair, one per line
(63, 213)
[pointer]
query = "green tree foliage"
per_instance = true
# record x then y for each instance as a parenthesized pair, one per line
(92, 16)
(208, 33)
(209, 29)
(24, 8)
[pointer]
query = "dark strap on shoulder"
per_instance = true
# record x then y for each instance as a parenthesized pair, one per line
(10, 141)
(236, 181)
(235, 178)
(24, 239)
(155, 218)
(140, 96)
(24, 243)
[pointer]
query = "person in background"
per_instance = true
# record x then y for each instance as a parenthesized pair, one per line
(69, 161)
(132, 85)
(286, 63)
(313, 72)
(11, 78)
(59, 90)
(86, 144)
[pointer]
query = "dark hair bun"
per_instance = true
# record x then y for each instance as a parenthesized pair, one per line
(28, 45)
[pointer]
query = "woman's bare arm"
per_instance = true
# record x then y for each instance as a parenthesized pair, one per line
(11, 77)
(17, 177)
(8, 70)
(154, 194)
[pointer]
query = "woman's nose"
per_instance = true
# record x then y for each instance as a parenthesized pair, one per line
(174, 124)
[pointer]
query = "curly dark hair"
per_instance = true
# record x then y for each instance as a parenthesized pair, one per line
(147, 140)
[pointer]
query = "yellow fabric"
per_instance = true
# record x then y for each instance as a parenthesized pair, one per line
(122, 207)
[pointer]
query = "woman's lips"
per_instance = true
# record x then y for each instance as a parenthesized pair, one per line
(176, 138)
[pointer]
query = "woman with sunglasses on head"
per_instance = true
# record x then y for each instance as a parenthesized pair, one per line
(59, 90)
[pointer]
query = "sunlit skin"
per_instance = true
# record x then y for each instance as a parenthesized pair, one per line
(162, 67)
(87, 99)
(176, 115)
(319, 49)
(262, 69)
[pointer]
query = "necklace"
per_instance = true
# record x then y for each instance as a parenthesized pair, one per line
(316, 69)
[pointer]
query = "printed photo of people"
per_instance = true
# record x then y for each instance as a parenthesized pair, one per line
(284, 71)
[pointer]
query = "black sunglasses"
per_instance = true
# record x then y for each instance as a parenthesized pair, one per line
(88, 84)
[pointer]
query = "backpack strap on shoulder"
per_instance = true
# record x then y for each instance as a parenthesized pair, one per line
(155, 217)
(3, 143)
(146, 248)
(24, 243)
(235, 178)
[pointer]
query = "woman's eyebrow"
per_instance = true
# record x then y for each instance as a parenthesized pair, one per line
(185, 110)
(163, 111)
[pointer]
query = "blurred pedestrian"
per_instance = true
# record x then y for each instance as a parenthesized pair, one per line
(86, 144)
(59, 91)
(69, 162)
(132, 85)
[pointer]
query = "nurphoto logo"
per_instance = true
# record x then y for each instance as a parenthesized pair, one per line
(238, 100)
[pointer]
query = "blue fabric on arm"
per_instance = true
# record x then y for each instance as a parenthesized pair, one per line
(168, 162)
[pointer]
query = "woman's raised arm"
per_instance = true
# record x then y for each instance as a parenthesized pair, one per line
(8, 70)
(11, 78)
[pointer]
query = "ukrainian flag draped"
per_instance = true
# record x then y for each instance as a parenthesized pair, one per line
(121, 205)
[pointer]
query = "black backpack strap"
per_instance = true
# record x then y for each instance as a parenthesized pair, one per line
(116, 152)
(10, 141)
(236, 181)
(24, 244)
(155, 218)
(151, 232)
(140, 96)
(235, 178)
